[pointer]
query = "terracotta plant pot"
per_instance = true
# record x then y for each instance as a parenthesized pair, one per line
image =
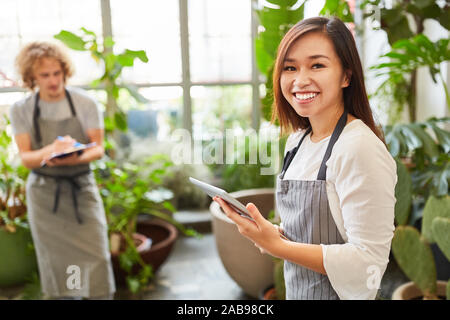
(409, 291)
(163, 236)
(268, 294)
(244, 263)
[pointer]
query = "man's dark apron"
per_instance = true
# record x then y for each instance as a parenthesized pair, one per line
(306, 217)
(67, 218)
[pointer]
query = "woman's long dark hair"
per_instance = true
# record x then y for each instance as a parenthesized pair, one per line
(355, 96)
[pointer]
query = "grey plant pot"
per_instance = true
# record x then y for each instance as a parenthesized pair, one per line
(244, 263)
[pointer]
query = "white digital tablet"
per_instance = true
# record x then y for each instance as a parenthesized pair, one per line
(213, 191)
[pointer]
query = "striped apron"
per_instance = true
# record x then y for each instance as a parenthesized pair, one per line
(306, 217)
(67, 219)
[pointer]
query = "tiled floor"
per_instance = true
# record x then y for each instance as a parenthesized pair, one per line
(194, 271)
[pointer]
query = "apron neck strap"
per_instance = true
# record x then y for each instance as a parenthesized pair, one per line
(37, 113)
(322, 175)
(291, 153)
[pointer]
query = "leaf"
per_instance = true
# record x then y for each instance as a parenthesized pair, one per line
(263, 59)
(140, 54)
(71, 40)
(412, 141)
(434, 207)
(428, 143)
(120, 121)
(415, 258)
(441, 233)
(108, 42)
(403, 194)
(133, 284)
(133, 90)
(442, 136)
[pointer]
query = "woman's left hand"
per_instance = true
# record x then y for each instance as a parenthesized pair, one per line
(263, 233)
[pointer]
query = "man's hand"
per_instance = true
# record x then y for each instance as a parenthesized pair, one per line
(60, 145)
(71, 160)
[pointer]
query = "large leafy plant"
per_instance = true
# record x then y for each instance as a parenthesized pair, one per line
(423, 165)
(129, 190)
(403, 22)
(411, 247)
(423, 170)
(12, 184)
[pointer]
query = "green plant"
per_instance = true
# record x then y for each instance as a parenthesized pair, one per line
(423, 170)
(186, 195)
(406, 56)
(275, 22)
(403, 21)
(412, 251)
(129, 190)
(423, 165)
(102, 52)
(278, 268)
(245, 171)
(12, 184)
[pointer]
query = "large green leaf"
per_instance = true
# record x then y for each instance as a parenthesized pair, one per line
(441, 233)
(140, 54)
(429, 145)
(434, 207)
(263, 60)
(415, 258)
(71, 40)
(403, 194)
(120, 120)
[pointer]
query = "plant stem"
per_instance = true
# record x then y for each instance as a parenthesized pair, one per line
(447, 96)
(412, 97)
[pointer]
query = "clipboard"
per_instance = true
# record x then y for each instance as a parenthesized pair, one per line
(76, 148)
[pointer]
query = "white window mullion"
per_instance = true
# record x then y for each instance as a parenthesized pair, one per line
(186, 76)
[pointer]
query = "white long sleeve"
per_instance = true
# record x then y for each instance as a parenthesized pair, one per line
(361, 179)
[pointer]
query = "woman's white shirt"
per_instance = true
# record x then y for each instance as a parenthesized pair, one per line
(360, 183)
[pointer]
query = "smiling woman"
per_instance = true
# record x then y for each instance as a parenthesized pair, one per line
(336, 191)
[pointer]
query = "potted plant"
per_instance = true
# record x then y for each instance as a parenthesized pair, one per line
(425, 174)
(414, 256)
(128, 191)
(18, 260)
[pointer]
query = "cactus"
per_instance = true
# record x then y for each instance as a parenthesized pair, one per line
(278, 274)
(448, 290)
(403, 194)
(415, 258)
(441, 233)
(435, 207)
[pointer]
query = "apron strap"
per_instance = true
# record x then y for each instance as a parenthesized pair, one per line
(74, 187)
(291, 154)
(336, 133)
(37, 113)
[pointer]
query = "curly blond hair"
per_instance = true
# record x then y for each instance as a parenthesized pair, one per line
(33, 52)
